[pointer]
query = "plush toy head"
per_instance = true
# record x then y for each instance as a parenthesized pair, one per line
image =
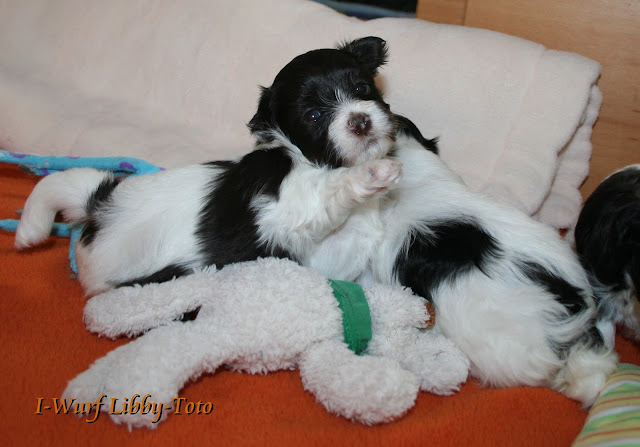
(263, 316)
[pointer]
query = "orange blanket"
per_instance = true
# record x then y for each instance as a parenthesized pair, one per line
(44, 345)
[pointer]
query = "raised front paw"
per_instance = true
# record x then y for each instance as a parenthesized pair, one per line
(375, 177)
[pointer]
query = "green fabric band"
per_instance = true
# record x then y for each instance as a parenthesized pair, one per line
(356, 318)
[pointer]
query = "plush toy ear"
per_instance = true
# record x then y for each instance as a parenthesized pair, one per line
(369, 51)
(263, 119)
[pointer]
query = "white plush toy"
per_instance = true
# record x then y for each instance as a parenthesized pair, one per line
(263, 316)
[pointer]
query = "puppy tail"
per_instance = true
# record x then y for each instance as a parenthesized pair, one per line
(588, 365)
(67, 191)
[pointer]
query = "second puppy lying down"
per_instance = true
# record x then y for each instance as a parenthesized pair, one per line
(608, 241)
(508, 291)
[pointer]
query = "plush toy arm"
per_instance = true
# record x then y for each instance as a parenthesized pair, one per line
(439, 365)
(367, 389)
(399, 326)
(132, 310)
(158, 364)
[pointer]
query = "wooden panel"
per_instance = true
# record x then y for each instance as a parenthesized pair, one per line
(604, 30)
(442, 11)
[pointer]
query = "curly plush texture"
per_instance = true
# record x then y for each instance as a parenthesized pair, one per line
(263, 316)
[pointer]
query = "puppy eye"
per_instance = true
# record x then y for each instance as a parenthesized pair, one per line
(312, 116)
(363, 88)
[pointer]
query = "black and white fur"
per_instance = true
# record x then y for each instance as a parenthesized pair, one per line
(508, 290)
(322, 130)
(607, 239)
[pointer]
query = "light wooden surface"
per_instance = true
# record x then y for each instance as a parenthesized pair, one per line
(607, 31)
(442, 11)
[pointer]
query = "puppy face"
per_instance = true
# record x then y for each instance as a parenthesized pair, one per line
(327, 104)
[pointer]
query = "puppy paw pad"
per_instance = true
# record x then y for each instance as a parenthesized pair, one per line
(377, 176)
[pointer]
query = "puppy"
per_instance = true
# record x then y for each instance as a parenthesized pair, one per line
(322, 131)
(508, 291)
(608, 241)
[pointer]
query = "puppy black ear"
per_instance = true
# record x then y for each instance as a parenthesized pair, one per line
(263, 119)
(369, 51)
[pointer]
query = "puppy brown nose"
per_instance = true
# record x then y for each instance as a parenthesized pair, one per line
(359, 123)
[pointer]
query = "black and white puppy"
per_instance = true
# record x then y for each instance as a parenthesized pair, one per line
(322, 131)
(508, 290)
(608, 241)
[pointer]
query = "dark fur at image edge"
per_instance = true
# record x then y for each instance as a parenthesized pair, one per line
(608, 231)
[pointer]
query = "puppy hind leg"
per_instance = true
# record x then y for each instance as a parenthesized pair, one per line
(364, 388)
(66, 191)
(502, 328)
(587, 368)
(438, 364)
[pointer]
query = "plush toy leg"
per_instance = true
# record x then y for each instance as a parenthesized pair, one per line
(439, 365)
(396, 318)
(132, 310)
(158, 364)
(367, 389)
